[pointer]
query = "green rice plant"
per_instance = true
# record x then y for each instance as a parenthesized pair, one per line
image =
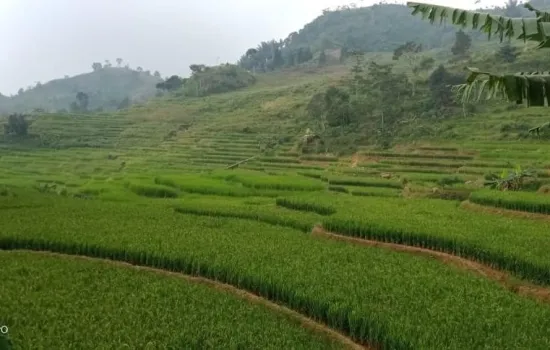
(417, 170)
(226, 158)
(320, 158)
(243, 155)
(357, 171)
(279, 160)
(152, 190)
(203, 184)
(260, 181)
(235, 142)
(290, 166)
(310, 174)
(371, 165)
(516, 245)
(418, 155)
(362, 181)
(452, 194)
(340, 189)
(450, 181)
(132, 308)
(514, 200)
(267, 212)
(488, 164)
(374, 295)
(436, 178)
(374, 191)
(290, 154)
(439, 148)
(304, 205)
(423, 163)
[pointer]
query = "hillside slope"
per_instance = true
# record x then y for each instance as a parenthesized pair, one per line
(106, 88)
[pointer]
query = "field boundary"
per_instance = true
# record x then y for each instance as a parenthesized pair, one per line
(245, 294)
(505, 279)
(539, 276)
(489, 209)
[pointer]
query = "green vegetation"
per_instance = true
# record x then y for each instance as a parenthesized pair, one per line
(358, 181)
(232, 174)
(523, 201)
(214, 80)
(131, 309)
(530, 87)
(304, 273)
(107, 88)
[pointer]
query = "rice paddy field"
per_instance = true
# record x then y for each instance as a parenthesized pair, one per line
(138, 231)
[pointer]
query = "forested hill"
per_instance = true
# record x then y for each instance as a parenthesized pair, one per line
(377, 28)
(106, 88)
(383, 27)
(380, 27)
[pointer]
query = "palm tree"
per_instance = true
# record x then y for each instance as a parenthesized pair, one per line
(530, 87)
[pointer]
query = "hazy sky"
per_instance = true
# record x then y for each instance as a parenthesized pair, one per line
(42, 40)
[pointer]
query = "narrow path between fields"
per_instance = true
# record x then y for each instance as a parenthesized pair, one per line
(515, 285)
(504, 212)
(243, 294)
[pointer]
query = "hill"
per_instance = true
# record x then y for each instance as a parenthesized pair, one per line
(233, 212)
(377, 28)
(107, 88)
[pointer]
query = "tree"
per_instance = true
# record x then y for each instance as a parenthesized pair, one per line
(17, 125)
(512, 9)
(81, 103)
(96, 66)
(322, 58)
(197, 68)
(139, 69)
(125, 103)
(462, 44)
(529, 87)
(171, 84)
(20, 91)
(107, 64)
(251, 52)
(507, 53)
(277, 58)
(338, 108)
(119, 62)
(409, 47)
(440, 82)
(409, 51)
(156, 74)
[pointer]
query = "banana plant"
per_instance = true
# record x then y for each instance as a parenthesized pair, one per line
(510, 180)
(532, 88)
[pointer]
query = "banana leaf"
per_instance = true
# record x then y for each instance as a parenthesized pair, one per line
(529, 29)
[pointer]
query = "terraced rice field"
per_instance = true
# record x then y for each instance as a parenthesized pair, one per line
(129, 236)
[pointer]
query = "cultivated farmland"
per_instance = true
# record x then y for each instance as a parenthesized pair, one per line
(277, 227)
(205, 223)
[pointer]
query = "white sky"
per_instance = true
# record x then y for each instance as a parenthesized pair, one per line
(41, 40)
